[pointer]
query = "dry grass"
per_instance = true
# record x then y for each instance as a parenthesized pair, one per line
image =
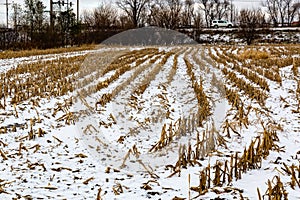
(35, 52)
(254, 54)
(267, 67)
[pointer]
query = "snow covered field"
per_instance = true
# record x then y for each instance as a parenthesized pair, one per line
(180, 122)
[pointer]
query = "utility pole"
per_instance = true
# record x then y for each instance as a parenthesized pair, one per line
(231, 12)
(6, 4)
(63, 7)
(77, 11)
(61, 3)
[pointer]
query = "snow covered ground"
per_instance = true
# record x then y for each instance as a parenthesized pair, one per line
(128, 134)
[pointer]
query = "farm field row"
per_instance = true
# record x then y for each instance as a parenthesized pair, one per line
(190, 122)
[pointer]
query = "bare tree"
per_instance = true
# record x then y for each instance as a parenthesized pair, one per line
(124, 22)
(187, 13)
(16, 15)
(206, 8)
(198, 20)
(175, 8)
(105, 16)
(282, 11)
(298, 11)
(222, 9)
(215, 9)
(134, 9)
(272, 9)
(249, 21)
(34, 18)
(166, 13)
(293, 10)
(87, 18)
(102, 17)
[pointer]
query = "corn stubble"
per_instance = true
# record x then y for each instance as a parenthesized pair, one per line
(223, 173)
(203, 103)
(247, 72)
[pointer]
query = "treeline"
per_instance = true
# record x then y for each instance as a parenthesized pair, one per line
(31, 26)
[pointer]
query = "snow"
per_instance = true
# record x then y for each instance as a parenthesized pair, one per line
(72, 164)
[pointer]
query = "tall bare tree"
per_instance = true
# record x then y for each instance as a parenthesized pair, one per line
(16, 15)
(272, 9)
(206, 8)
(215, 9)
(293, 10)
(198, 20)
(249, 21)
(298, 11)
(187, 13)
(166, 13)
(282, 11)
(221, 9)
(105, 16)
(134, 9)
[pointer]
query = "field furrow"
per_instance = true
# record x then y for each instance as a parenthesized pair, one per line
(168, 122)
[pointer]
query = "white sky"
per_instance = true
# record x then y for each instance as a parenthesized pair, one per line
(90, 4)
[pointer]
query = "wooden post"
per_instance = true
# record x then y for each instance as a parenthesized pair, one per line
(77, 11)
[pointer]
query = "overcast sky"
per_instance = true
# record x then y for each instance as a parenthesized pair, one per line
(90, 4)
